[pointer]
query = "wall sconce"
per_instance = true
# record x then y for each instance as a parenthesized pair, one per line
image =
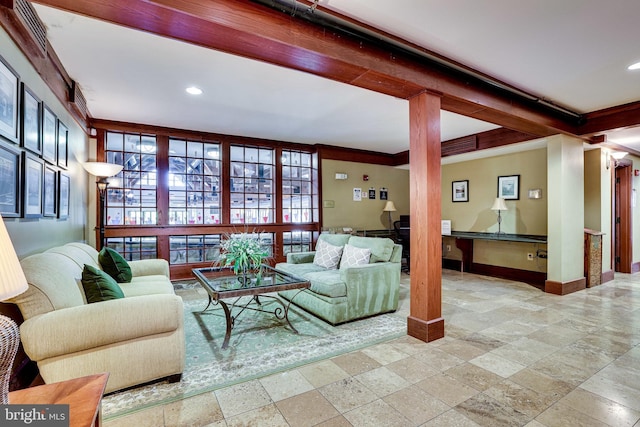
(102, 171)
(615, 156)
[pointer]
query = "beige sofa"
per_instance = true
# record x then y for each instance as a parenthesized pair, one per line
(137, 339)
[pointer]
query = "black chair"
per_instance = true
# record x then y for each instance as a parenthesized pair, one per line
(403, 237)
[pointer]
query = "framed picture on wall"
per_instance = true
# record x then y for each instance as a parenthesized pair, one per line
(33, 169)
(63, 133)
(460, 191)
(9, 181)
(49, 135)
(64, 184)
(8, 102)
(49, 196)
(509, 187)
(31, 137)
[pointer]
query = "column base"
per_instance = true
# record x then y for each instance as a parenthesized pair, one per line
(564, 288)
(425, 330)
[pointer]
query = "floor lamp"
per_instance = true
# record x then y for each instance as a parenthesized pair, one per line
(389, 207)
(499, 205)
(102, 171)
(12, 283)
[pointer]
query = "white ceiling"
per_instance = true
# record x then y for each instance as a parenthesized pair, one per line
(571, 52)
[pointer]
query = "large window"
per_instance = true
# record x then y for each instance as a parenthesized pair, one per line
(194, 182)
(252, 188)
(299, 201)
(131, 196)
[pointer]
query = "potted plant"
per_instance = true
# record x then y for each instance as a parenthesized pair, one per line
(243, 253)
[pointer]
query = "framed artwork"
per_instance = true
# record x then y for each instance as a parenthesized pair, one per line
(460, 191)
(64, 184)
(48, 135)
(31, 121)
(8, 102)
(509, 187)
(63, 154)
(49, 203)
(9, 181)
(33, 169)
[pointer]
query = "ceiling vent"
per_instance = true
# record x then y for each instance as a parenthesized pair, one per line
(459, 145)
(29, 18)
(77, 99)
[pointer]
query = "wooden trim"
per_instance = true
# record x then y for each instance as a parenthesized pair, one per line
(425, 330)
(452, 264)
(331, 152)
(535, 278)
(607, 276)
(618, 117)
(564, 288)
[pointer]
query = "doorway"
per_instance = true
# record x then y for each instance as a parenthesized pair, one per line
(622, 237)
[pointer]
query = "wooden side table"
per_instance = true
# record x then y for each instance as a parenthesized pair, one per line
(83, 395)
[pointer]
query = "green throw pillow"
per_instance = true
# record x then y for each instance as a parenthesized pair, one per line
(114, 265)
(99, 286)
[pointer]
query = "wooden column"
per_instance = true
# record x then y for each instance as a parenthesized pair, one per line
(425, 321)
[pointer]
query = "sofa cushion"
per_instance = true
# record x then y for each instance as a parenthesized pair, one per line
(300, 270)
(354, 256)
(115, 265)
(335, 239)
(99, 286)
(328, 283)
(327, 255)
(381, 248)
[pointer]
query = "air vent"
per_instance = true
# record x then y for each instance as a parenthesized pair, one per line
(29, 17)
(77, 99)
(459, 145)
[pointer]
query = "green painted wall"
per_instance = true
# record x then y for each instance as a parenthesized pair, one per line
(35, 235)
(366, 214)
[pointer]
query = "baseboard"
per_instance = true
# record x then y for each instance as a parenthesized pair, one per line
(535, 278)
(452, 264)
(425, 330)
(564, 288)
(606, 276)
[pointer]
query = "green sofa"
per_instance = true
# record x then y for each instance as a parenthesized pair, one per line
(343, 294)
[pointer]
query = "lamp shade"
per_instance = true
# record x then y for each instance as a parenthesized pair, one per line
(618, 154)
(12, 279)
(389, 207)
(499, 205)
(102, 169)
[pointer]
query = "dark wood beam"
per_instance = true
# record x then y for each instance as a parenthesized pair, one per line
(244, 28)
(619, 117)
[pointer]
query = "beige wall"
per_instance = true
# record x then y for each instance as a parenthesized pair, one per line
(34, 235)
(366, 214)
(597, 200)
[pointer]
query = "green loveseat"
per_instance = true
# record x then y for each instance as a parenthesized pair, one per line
(343, 294)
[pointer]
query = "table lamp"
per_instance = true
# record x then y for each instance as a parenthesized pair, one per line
(389, 207)
(12, 283)
(102, 171)
(499, 205)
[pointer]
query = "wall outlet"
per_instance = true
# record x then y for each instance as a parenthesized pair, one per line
(530, 256)
(448, 248)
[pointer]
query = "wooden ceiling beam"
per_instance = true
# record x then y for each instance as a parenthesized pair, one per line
(251, 30)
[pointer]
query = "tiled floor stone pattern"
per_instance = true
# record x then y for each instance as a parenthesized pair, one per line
(512, 356)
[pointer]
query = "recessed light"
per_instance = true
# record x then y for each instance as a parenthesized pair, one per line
(635, 66)
(194, 90)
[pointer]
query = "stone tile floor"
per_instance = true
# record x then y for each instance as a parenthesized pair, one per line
(512, 356)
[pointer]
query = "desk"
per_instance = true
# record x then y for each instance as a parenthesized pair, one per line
(83, 395)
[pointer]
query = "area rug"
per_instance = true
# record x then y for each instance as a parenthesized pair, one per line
(260, 345)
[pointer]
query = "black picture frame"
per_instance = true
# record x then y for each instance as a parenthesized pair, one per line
(509, 187)
(64, 186)
(9, 102)
(49, 140)
(10, 178)
(32, 183)
(49, 192)
(460, 191)
(31, 121)
(63, 145)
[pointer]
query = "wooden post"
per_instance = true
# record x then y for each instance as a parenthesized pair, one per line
(425, 321)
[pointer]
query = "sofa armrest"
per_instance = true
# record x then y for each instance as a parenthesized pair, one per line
(368, 285)
(300, 257)
(149, 267)
(84, 327)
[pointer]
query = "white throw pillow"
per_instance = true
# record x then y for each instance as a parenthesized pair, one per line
(353, 256)
(327, 255)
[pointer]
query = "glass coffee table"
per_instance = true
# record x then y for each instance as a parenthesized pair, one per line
(221, 283)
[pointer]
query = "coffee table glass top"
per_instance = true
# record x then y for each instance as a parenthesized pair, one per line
(222, 280)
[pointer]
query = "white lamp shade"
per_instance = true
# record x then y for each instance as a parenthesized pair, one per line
(499, 205)
(102, 169)
(12, 279)
(389, 207)
(618, 154)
